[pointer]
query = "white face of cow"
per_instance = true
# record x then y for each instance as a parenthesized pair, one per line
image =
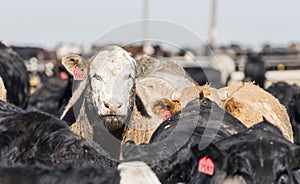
(112, 72)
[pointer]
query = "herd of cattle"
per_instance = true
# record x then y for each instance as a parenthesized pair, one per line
(125, 120)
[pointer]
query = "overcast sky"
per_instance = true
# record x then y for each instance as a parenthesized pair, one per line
(48, 22)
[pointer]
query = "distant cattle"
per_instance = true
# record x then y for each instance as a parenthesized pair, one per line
(255, 70)
(138, 51)
(119, 92)
(259, 155)
(15, 76)
(52, 96)
(169, 151)
(33, 52)
(215, 70)
(226, 66)
(205, 75)
(289, 96)
(245, 101)
(53, 93)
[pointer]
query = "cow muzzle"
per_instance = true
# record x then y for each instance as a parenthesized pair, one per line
(112, 114)
(111, 105)
(113, 122)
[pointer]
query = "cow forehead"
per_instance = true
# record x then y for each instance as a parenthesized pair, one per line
(112, 60)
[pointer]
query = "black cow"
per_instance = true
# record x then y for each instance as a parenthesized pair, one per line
(34, 137)
(259, 155)
(15, 76)
(205, 75)
(169, 151)
(39, 148)
(289, 96)
(255, 70)
(126, 173)
(69, 174)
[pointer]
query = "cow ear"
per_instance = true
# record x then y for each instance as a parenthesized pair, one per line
(71, 61)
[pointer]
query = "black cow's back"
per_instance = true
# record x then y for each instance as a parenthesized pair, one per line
(169, 152)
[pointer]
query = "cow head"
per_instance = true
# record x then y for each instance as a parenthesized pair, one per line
(109, 77)
(259, 155)
(112, 73)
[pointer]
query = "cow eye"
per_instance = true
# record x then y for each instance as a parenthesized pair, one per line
(98, 77)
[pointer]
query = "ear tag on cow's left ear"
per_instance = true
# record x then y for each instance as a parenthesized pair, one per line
(206, 166)
(78, 74)
(166, 114)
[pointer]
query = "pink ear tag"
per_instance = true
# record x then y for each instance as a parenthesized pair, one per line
(78, 74)
(166, 114)
(206, 166)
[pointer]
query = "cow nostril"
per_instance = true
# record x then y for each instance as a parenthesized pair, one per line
(112, 104)
(106, 104)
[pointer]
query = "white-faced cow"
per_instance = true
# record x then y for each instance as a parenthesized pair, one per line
(106, 90)
(117, 90)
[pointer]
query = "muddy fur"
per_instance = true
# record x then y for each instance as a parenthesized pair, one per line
(155, 83)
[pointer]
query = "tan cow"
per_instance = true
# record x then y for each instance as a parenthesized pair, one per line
(2, 90)
(247, 102)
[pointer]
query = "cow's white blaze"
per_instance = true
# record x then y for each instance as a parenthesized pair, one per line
(112, 72)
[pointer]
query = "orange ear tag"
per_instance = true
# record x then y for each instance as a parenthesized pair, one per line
(206, 166)
(78, 74)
